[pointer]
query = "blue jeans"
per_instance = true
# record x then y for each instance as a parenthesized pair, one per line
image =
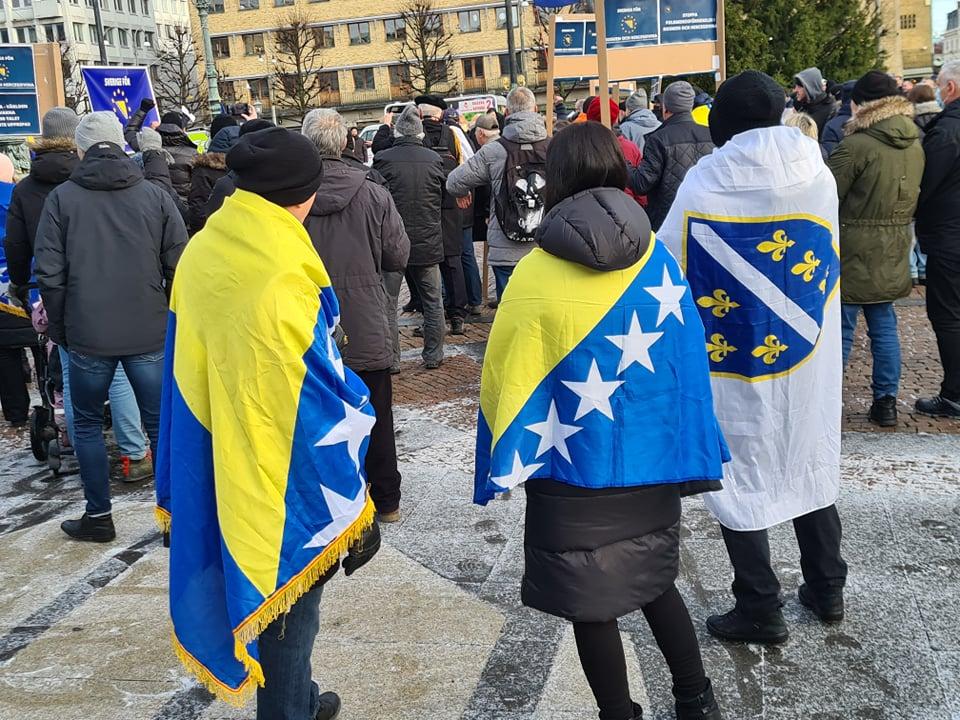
(90, 379)
(471, 272)
(123, 409)
(918, 262)
(501, 276)
(289, 692)
(884, 344)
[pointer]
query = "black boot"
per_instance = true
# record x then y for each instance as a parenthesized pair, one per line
(637, 712)
(736, 626)
(828, 609)
(88, 529)
(883, 412)
(938, 407)
(456, 326)
(329, 706)
(702, 707)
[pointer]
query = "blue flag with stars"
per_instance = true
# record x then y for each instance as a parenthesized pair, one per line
(596, 379)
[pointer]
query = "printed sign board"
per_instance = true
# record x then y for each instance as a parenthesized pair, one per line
(119, 90)
(19, 108)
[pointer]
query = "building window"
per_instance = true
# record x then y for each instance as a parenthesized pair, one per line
(907, 22)
(145, 7)
(55, 33)
(400, 77)
(78, 32)
(94, 35)
(329, 83)
(473, 68)
(260, 91)
(26, 35)
(323, 36)
(137, 38)
(118, 5)
(148, 39)
(469, 21)
(395, 29)
(4, 35)
(253, 44)
(249, 4)
(228, 92)
(433, 24)
(216, 6)
(359, 33)
(363, 79)
(438, 70)
(22, 3)
(108, 36)
(283, 3)
(132, 6)
(123, 37)
(502, 17)
(505, 64)
(221, 47)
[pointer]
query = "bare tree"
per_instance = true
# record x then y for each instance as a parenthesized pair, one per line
(425, 48)
(177, 83)
(74, 92)
(299, 85)
(541, 44)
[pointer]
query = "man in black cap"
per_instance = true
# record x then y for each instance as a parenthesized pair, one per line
(174, 140)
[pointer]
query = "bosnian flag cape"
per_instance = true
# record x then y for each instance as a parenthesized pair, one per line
(262, 440)
(755, 225)
(596, 379)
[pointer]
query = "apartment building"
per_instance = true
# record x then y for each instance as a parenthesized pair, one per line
(360, 41)
(908, 36)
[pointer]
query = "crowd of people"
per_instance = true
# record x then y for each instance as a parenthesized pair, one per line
(612, 251)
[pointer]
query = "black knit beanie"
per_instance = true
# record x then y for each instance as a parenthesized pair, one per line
(173, 118)
(277, 164)
(746, 101)
(220, 122)
(255, 125)
(875, 85)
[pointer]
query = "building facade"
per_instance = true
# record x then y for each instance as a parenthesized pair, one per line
(907, 39)
(951, 37)
(358, 45)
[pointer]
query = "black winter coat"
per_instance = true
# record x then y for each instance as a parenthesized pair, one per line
(668, 153)
(440, 138)
(175, 141)
(207, 169)
(359, 235)
(416, 178)
(107, 245)
(938, 210)
(822, 111)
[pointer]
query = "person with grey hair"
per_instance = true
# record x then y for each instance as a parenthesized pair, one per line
(640, 120)
(359, 235)
(938, 232)
(526, 131)
(107, 245)
(415, 178)
(669, 152)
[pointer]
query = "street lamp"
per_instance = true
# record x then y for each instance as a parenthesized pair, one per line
(523, 42)
(210, 67)
(511, 45)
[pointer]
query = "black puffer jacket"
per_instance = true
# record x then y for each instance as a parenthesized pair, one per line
(668, 153)
(207, 169)
(415, 177)
(938, 211)
(175, 142)
(593, 555)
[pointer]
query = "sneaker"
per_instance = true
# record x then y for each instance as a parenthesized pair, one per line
(433, 365)
(389, 517)
(474, 311)
(736, 626)
(828, 609)
(456, 326)
(493, 304)
(137, 470)
(883, 412)
(702, 707)
(88, 529)
(329, 706)
(939, 407)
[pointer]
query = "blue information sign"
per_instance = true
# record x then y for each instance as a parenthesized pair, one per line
(683, 21)
(632, 23)
(569, 38)
(19, 109)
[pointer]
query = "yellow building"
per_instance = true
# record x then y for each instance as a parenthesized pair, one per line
(360, 41)
(908, 36)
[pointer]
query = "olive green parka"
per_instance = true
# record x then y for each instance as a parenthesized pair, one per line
(878, 167)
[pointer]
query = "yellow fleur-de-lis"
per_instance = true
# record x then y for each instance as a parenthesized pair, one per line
(808, 267)
(721, 303)
(777, 248)
(719, 348)
(770, 350)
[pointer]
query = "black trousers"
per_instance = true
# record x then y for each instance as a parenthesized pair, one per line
(415, 300)
(14, 398)
(601, 654)
(943, 309)
(755, 585)
(382, 473)
(455, 286)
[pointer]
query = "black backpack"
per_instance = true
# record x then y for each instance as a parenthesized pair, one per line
(520, 201)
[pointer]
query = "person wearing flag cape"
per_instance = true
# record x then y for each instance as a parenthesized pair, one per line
(755, 225)
(260, 480)
(595, 393)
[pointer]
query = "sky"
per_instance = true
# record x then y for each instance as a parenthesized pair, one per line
(940, 10)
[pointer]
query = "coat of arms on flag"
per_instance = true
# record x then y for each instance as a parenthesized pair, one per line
(764, 284)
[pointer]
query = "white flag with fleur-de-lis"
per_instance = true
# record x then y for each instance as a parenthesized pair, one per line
(755, 226)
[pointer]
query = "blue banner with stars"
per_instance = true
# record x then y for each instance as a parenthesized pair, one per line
(596, 379)
(632, 23)
(120, 91)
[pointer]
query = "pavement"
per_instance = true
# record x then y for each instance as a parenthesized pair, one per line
(433, 628)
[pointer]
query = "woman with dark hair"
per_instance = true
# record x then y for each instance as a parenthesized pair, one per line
(598, 333)
(356, 147)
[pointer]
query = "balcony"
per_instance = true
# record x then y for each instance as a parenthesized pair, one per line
(475, 84)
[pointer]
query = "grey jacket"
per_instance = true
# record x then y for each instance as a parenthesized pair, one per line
(486, 168)
(359, 235)
(637, 125)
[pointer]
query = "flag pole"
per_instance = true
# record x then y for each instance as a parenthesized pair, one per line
(601, 19)
(551, 50)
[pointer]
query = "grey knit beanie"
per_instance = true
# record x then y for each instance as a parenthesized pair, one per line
(96, 127)
(678, 97)
(59, 122)
(408, 124)
(637, 101)
(150, 140)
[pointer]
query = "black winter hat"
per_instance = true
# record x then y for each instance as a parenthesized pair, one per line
(874, 86)
(431, 100)
(277, 164)
(173, 118)
(746, 101)
(220, 122)
(255, 125)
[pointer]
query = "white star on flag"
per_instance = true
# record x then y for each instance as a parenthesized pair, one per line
(669, 296)
(594, 392)
(343, 510)
(635, 345)
(553, 433)
(352, 430)
(520, 473)
(334, 354)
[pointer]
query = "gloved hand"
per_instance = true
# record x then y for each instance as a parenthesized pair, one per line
(20, 296)
(362, 551)
(147, 104)
(150, 140)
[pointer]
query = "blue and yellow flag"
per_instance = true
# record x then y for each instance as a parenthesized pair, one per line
(596, 379)
(263, 438)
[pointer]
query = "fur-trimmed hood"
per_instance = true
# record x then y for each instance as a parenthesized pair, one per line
(931, 107)
(42, 145)
(889, 120)
(54, 159)
(212, 160)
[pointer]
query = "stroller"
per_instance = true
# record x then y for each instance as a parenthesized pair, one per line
(48, 431)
